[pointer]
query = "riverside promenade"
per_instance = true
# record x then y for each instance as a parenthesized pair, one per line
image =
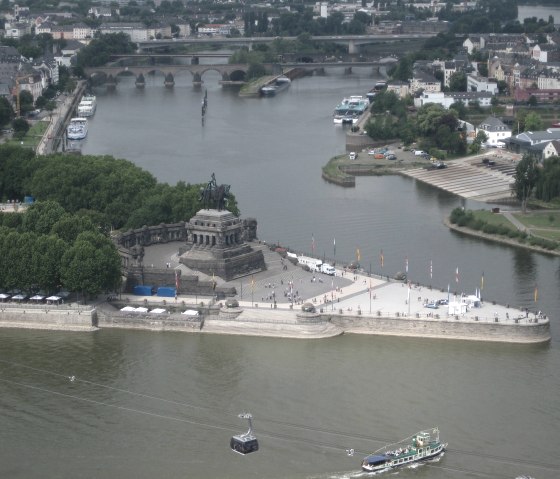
(270, 304)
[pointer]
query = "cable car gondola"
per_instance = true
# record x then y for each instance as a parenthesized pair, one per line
(245, 443)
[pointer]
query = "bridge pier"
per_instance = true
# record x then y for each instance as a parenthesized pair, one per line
(353, 48)
(169, 81)
(140, 81)
(197, 80)
(111, 82)
(348, 71)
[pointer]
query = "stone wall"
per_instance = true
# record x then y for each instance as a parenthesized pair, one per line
(48, 318)
(451, 329)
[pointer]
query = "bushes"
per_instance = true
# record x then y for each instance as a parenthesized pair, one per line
(463, 218)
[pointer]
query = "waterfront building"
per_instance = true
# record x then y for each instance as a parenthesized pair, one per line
(495, 130)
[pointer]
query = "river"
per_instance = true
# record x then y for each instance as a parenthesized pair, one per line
(539, 11)
(145, 405)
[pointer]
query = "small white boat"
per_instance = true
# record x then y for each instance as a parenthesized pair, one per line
(77, 129)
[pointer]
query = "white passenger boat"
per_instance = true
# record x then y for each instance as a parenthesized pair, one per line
(87, 106)
(77, 129)
(423, 446)
(350, 109)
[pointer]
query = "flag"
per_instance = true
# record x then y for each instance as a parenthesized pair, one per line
(408, 294)
(252, 282)
(312, 244)
(334, 246)
(370, 288)
(536, 294)
(406, 264)
(431, 269)
(177, 281)
(358, 257)
(457, 274)
(381, 258)
(482, 282)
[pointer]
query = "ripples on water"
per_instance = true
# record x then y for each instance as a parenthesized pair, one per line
(145, 405)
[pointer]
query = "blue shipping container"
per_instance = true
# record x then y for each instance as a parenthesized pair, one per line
(143, 290)
(166, 292)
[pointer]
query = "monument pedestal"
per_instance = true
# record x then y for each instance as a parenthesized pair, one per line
(216, 246)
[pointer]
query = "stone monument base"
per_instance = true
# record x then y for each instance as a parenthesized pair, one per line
(215, 246)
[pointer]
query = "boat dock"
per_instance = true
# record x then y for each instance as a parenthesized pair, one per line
(487, 177)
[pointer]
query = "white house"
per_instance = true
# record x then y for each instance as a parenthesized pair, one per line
(495, 130)
(552, 149)
(478, 83)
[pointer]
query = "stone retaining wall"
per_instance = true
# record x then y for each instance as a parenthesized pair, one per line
(151, 322)
(45, 318)
(457, 329)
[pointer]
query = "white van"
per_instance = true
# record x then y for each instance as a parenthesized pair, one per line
(327, 269)
(419, 153)
(352, 155)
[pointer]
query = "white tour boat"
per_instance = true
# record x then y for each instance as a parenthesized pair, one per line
(87, 106)
(77, 129)
(423, 446)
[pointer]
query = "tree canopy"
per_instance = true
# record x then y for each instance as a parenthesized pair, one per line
(113, 193)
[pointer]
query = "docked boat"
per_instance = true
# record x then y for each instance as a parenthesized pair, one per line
(77, 129)
(350, 109)
(87, 106)
(281, 83)
(423, 446)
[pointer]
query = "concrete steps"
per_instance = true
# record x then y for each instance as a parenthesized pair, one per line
(468, 180)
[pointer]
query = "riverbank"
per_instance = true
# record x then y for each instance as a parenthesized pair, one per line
(498, 238)
(351, 302)
(342, 171)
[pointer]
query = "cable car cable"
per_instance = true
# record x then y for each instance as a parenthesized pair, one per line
(231, 427)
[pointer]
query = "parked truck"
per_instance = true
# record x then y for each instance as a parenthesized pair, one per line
(313, 264)
(326, 268)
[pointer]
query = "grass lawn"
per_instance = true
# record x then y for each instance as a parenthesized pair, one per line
(540, 220)
(492, 218)
(553, 235)
(33, 136)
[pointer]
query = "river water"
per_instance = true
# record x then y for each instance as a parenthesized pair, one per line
(160, 404)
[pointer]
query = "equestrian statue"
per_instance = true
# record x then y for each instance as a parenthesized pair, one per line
(214, 196)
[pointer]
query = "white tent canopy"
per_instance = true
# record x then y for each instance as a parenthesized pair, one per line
(158, 310)
(191, 312)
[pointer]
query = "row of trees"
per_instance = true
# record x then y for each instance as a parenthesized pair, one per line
(47, 249)
(112, 193)
(434, 126)
(540, 182)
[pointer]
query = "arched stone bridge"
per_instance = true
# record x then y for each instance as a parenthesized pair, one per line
(230, 73)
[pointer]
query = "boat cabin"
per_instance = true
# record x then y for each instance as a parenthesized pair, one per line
(376, 460)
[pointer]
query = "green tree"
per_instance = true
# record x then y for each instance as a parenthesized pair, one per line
(525, 179)
(6, 111)
(532, 100)
(458, 82)
(41, 216)
(533, 122)
(481, 137)
(25, 101)
(91, 265)
(20, 126)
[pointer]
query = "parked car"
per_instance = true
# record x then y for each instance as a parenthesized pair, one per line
(419, 153)
(391, 157)
(352, 155)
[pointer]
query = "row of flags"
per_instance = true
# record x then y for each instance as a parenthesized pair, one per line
(431, 266)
